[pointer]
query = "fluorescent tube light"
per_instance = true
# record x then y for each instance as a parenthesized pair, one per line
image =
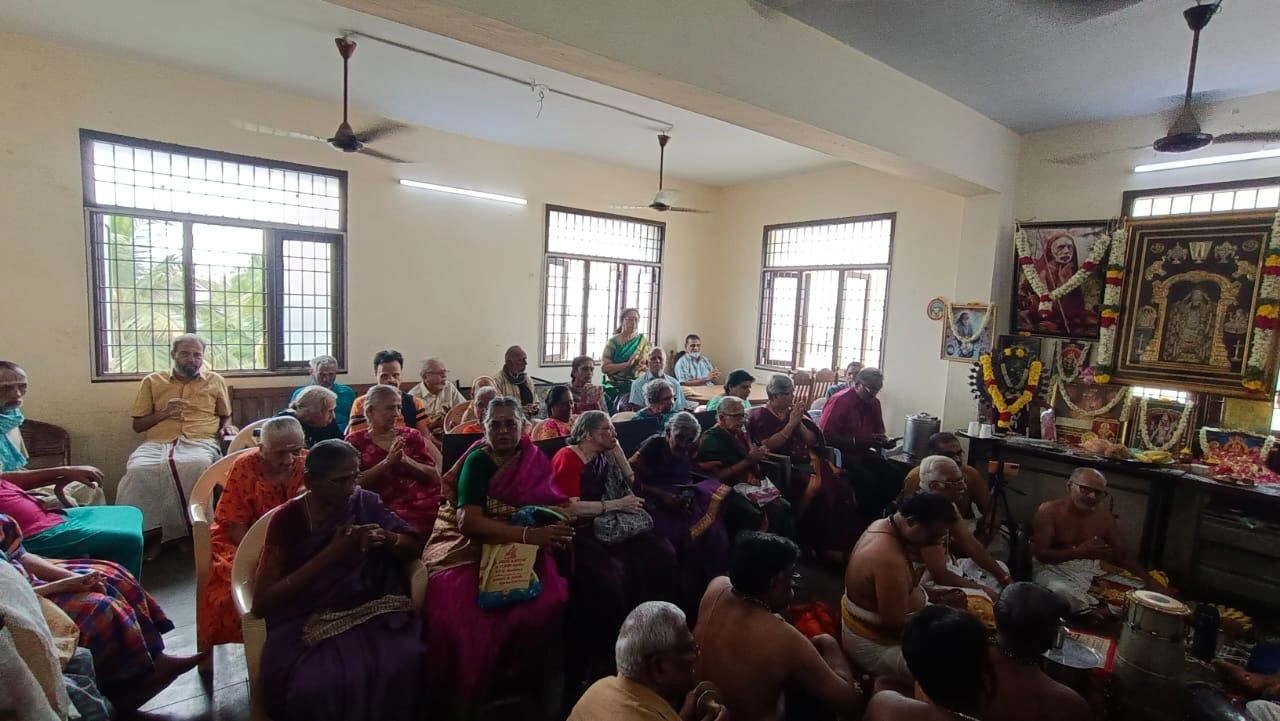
(464, 191)
(1211, 160)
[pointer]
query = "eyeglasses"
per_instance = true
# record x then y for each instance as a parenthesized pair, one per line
(1090, 490)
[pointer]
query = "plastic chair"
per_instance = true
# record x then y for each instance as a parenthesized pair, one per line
(245, 438)
(453, 418)
(818, 403)
(243, 575)
(621, 416)
(200, 511)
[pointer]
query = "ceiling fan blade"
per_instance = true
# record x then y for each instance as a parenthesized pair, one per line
(381, 130)
(629, 207)
(1082, 158)
(676, 209)
(1248, 136)
(381, 156)
(268, 130)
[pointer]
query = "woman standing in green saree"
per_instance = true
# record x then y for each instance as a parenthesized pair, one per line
(623, 358)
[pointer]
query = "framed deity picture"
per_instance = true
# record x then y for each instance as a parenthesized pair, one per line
(1191, 289)
(1084, 411)
(1056, 251)
(1155, 424)
(1031, 346)
(1067, 358)
(968, 331)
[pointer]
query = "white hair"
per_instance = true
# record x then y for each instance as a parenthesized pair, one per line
(936, 469)
(427, 363)
(323, 360)
(312, 397)
(651, 628)
(377, 391)
(653, 388)
(728, 404)
(780, 385)
(280, 427)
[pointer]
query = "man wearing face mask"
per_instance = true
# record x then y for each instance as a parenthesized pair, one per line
(1072, 536)
(693, 368)
(853, 422)
(182, 412)
(655, 368)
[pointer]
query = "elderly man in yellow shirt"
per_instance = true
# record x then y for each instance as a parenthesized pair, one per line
(656, 657)
(182, 412)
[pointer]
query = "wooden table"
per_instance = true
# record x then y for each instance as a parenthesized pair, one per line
(704, 394)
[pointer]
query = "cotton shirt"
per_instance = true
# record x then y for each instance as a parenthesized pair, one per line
(714, 403)
(847, 415)
(346, 399)
(438, 404)
(208, 402)
(688, 368)
(618, 698)
(637, 391)
(507, 388)
(420, 422)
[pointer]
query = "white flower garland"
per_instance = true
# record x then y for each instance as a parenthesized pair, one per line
(1268, 442)
(1122, 396)
(1110, 311)
(1178, 432)
(1047, 297)
(982, 325)
(1265, 319)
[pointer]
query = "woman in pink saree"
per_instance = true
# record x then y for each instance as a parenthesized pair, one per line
(472, 648)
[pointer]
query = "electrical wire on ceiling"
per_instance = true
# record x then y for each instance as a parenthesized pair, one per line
(540, 90)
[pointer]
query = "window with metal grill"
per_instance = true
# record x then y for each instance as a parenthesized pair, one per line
(246, 252)
(597, 265)
(824, 292)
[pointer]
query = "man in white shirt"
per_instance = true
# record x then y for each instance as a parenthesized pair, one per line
(694, 369)
(436, 392)
(655, 367)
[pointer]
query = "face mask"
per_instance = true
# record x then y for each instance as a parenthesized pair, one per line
(695, 355)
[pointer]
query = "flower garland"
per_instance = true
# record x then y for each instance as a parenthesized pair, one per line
(1103, 357)
(1264, 321)
(982, 324)
(1008, 410)
(1046, 296)
(1178, 432)
(1080, 366)
(1004, 373)
(1268, 442)
(1060, 391)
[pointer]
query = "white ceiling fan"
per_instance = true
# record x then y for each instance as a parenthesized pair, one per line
(665, 200)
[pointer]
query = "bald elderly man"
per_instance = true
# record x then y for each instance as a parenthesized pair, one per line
(1071, 537)
(512, 379)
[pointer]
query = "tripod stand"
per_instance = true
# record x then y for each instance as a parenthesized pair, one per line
(1019, 567)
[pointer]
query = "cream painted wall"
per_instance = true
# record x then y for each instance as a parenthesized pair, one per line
(1048, 191)
(427, 273)
(926, 255)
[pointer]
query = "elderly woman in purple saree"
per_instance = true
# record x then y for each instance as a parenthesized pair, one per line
(685, 509)
(344, 640)
(820, 495)
(474, 648)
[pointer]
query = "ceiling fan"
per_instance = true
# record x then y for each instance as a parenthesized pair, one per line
(1185, 135)
(664, 200)
(344, 138)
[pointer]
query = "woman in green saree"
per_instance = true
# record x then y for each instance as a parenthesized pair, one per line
(623, 358)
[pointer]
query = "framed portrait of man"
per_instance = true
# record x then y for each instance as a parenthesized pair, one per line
(1190, 294)
(1057, 249)
(968, 332)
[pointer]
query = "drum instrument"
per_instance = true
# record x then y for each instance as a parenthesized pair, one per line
(1150, 656)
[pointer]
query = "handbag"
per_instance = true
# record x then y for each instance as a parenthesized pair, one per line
(618, 526)
(506, 569)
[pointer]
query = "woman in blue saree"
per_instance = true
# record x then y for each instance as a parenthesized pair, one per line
(623, 358)
(344, 640)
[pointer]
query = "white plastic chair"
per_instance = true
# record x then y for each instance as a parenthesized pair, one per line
(621, 416)
(243, 575)
(200, 511)
(244, 439)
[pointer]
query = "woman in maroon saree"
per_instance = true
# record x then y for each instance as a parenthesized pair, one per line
(344, 641)
(473, 649)
(686, 510)
(821, 497)
(611, 575)
(395, 462)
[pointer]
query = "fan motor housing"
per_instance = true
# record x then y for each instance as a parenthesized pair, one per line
(1182, 142)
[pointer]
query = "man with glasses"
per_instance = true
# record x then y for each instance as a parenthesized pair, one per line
(436, 392)
(1073, 536)
(853, 422)
(974, 500)
(656, 658)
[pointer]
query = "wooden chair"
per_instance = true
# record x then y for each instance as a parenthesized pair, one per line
(243, 575)
(200, 511)
(245, 438)
(822, 382)
(48, 446)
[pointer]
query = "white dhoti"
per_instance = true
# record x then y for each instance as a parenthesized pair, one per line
(969, 569)
(1070, 581)
(158, 480)
(868, 646)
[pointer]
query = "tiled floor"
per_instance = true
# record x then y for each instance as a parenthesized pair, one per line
(225, 695)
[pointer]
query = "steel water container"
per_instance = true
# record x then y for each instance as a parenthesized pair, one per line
(915, 438)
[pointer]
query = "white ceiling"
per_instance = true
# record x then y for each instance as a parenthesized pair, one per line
(1038, 64)
(288, 44)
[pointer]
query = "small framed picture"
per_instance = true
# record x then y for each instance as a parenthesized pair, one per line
(1084, 411)
(1160, 420)
(968, 331)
